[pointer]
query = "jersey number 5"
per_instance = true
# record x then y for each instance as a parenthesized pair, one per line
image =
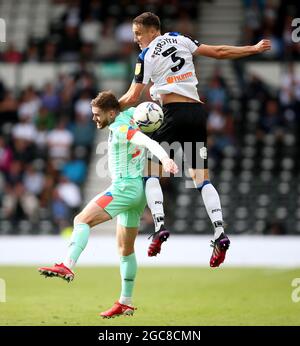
(172, 51)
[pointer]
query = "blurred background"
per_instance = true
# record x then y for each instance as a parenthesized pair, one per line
(59, 54)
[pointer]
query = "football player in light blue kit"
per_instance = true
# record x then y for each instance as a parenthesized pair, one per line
(125, 198)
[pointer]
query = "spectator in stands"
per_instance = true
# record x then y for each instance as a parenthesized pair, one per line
(185, 25)
(50, 51)
(69, 193)
(60, 141)
(45, 119)
(256, 89)
(66, 89)
(60, 211)
(6, 156)
(23, 150)
(24, 129)
(107, 48)
(19, 204)
(290, 48)
(90, 30)
(8, 108)
(2, 186)
(275, 228)
(71, 16)
(124, 37)
(50, 98)
(253, 20)
(47, 191)
(216, 93)
(83, 131)
(85, 83)
(75, 169)
(220, 130)
(30, 104)
(70, 44)
(15, 173)
(82, 105)
(271, 121)
(290, 88)
(2, 91)
(32, 53)
(12, 55)
(33, 180)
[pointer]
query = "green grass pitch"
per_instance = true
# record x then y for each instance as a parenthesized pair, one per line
(164, 296)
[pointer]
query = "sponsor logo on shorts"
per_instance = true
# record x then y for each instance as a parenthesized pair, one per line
(215, 210)
(104, 200)
(203, 153)
(179, 78)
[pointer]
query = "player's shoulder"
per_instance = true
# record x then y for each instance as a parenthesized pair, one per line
(123, 121)
(143, 53)
(184, 37)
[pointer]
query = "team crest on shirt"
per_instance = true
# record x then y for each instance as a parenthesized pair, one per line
(138, 68)
(123, 128)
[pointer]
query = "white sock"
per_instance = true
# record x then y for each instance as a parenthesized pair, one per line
(212, 204)
(125, 300)
(155, 200)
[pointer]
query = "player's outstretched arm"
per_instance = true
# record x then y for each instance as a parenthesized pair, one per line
(232, 52)
(140, 138)
(131, 97)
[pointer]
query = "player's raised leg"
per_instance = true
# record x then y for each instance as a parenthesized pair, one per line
(92, 215)
(128, 269)
(212, 204)
(155, 202)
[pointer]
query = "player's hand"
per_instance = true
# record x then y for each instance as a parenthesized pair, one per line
(262, 46)
(169, 165)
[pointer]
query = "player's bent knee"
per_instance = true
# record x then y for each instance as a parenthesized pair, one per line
(77, 219)
(83, 218)
(199, 175)
(125, 250)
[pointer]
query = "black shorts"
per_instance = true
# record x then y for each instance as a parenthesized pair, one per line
(184, 126)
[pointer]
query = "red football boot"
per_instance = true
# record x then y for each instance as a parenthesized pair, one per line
(158, 238)
(118, 309)
(58, 270)
(220, 246)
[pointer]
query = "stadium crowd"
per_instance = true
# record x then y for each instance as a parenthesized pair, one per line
(47, 133)
(45, 143)
(95, 30)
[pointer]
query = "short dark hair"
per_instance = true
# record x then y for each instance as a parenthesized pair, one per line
(106, 101)
(148, 19)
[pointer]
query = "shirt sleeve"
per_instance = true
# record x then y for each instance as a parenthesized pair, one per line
(140, 138)
(143, 68)
(190, 43)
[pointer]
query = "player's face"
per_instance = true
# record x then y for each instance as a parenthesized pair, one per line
(101, 118)
(143, 35)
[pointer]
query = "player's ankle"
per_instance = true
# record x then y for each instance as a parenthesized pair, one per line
(125, 301)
